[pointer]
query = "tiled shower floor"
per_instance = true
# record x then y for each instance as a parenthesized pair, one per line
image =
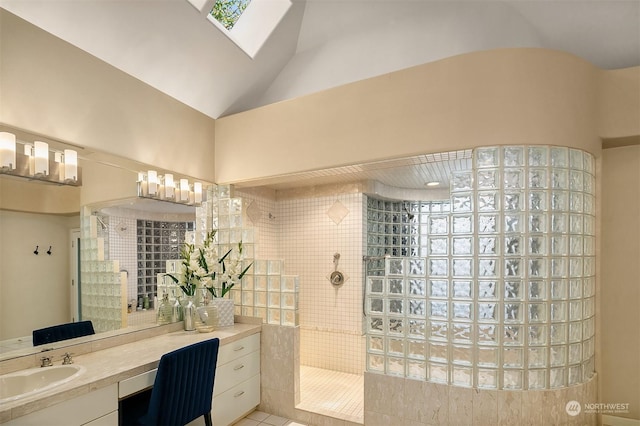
(332, 393)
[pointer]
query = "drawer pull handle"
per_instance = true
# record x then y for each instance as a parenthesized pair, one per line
(239, 348)
(238, 394)
(239, 367)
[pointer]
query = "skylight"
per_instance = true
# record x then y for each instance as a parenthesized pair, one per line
(227, 12)
(248, 23)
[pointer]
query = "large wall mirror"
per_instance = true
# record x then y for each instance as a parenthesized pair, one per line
(40, 225)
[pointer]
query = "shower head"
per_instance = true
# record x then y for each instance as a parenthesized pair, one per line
(410, 215)
(104, 225)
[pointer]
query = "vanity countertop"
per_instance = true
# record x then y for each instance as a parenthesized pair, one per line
(117, 363)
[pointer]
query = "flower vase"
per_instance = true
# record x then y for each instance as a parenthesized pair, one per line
(225, 311)
(206, 318)
(189, 313)
(176, 310)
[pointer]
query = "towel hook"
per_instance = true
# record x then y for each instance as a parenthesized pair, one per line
(36, 250)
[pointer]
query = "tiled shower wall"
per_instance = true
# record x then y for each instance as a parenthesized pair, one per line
(260, 210)
(312, 231)
(122, 247)
(306, 231)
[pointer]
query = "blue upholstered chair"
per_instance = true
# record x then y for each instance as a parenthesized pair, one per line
(183, 388)
(62, 332)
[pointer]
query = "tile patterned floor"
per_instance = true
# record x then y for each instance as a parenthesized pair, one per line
(263, 419)
(332, 393)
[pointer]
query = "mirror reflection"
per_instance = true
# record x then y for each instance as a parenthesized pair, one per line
(137, 238)
(138, 234)
(39, 240)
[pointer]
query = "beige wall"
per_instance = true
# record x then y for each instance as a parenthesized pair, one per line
(29, 196)
(620, 278)
(50, 87)
(510, 96)
(105, 183)
(619, 103)
(34, 289)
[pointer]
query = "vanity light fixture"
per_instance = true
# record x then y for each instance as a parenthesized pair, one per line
(167, 188)
(37, 162)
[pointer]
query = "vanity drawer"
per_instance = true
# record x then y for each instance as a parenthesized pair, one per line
(232, 373)
(136, 384)
(231, 351)
(236, 402)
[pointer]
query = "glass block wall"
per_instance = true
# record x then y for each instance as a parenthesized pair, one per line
(265, 291)
(104, 286)
(156, 242)
(499, 290)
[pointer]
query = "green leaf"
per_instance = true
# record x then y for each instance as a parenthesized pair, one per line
(245, 271)
(202, 261)
(225, 256)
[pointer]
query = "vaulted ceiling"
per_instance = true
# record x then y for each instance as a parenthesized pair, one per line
(321, 44)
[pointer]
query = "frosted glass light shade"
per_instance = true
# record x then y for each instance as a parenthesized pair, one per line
(169, 186)
(152, 182)
(70, 165)
(197, 191)
(184, 190)
(41, 158)
(7, 150)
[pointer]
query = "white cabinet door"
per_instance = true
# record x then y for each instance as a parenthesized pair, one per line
(74, 412)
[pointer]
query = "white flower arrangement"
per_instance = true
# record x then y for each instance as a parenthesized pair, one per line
(200, 268)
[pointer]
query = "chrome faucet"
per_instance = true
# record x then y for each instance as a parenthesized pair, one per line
(45, 361)
(67, 359)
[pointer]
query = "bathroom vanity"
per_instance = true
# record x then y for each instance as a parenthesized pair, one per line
(114, 373)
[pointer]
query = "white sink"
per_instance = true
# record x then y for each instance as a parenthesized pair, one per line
(28, 382)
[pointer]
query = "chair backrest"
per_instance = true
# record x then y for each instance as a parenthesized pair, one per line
(62, 332)
(183, 388)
